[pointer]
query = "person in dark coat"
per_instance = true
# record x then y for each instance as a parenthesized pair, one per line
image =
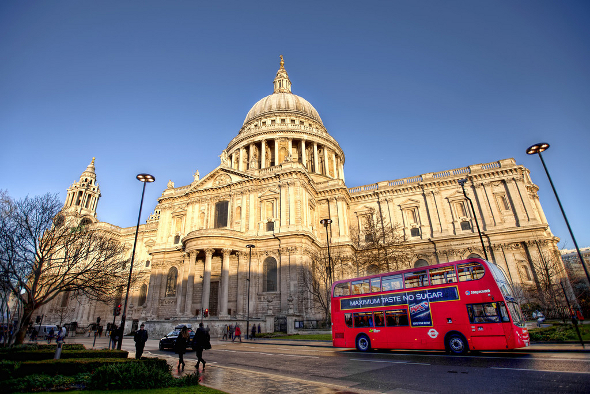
(201, 341)
(140, 338)
(180, 346)
(253, 334)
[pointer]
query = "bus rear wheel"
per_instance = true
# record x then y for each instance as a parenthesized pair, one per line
(457, 344)
(363, 343)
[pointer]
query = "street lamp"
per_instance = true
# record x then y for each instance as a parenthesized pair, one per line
(537, 149)
(462, 183)
(145, 178)
(248, 306)
(327, 222)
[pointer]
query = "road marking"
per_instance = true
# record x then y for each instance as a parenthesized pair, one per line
(387, 362)
(540, 370)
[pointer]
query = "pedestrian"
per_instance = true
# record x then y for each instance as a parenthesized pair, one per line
(100, 331)
(258, 329)
(114, 337)
(231, 331)
(180, 346)
(50, 335)
(62, 334)
(201, 341)
(225, 331)
(140, 338)
(238, 334)
(540, 318)
(253, 335)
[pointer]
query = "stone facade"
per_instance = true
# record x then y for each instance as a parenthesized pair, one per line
(277, 179)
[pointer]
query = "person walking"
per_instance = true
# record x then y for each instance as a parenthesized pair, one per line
(231, 332)
(225, 331)
(114, 337)
(201, 341)
(140, 338)
(258, 329)
(50, 335)
(238, 334)
(253, 334)
(180, 346)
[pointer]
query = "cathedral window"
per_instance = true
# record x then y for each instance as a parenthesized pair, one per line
(503, 203)
(176, 239)
(79, 198)
(270, 274)
(270, 226)
(171, 282)
(142, 295)
(465, 225)
(272, 122)
(85, 222)
(292, 121)
(415, 232)
(282, 121)
(147, 263)
(221, 214)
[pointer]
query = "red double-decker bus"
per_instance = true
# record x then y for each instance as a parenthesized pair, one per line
(456, 306)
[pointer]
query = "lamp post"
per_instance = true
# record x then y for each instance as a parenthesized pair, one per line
(145, 178)
(462, 183)
(537, 149)
(327, 222)
(248, 302)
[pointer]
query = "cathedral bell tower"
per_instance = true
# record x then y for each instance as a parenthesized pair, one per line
(83, 195)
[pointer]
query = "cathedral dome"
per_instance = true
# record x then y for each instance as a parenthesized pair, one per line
(282, 100)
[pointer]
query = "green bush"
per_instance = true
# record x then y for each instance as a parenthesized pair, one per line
(136, 375)
(555, 333)
(38, 382)
(187, 380)
(8, 368)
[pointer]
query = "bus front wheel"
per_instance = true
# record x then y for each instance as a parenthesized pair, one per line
(457, 344)
(363, 343)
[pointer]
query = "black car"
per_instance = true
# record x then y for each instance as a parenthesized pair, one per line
(169, 341)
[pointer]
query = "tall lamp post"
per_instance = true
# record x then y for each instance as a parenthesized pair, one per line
(327, 222)
(248, 302)
(145, 178)
(537, 149)
(462, 183)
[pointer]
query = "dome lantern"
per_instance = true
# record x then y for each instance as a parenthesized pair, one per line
(282, 83)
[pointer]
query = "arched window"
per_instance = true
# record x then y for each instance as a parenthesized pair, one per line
(221, 214)
(474, 256)
(171, 282)
(142, 295)
(85, 222)
(421, 263)
(270, 274)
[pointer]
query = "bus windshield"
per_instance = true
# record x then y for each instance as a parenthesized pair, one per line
(503, 284)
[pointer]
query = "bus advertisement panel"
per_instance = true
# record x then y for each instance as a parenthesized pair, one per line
(453, 306)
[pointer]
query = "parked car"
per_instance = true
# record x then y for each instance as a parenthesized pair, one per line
(169, 341)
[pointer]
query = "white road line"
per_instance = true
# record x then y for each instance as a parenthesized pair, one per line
(540, 370)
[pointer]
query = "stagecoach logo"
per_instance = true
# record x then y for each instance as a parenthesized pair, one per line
(418, 299)
(432, 333)
(477, 292)
(373, 330)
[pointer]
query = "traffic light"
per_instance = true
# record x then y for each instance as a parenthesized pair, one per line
(117, 311)
(206, 314)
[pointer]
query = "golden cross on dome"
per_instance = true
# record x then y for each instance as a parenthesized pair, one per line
(282, 62)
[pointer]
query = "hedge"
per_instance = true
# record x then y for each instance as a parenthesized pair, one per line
(69, 367)
(42, 347)
(48, 354)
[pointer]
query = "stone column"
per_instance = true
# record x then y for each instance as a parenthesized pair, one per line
(524, 197)
(334, 165)
(520, 214)
(341, 170)
(151, 289)
(232, 157)
(224, 283)
(341, 214)
(180, 288)
(207, 278)
(315, 158)
(263, 154)
(487, 220)
(241, 160)
(290, 148)
(240, 276)
(276, 141)
(303, 155)
(191, 284)
(291, 197)
(250, 156)
(326, 163)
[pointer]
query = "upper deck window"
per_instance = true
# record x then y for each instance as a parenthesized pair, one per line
(342, 289)
(470, 271)
(444, 275)
(375, 285)
(416, 279)
(360, 286)
(392, 282)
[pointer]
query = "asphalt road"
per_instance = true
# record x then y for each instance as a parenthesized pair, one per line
(397, 371)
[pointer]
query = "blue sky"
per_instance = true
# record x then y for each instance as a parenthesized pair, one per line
(405, 87)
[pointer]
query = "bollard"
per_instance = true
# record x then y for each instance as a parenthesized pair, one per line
(58, 350)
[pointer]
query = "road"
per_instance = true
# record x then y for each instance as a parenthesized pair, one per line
(347, 370)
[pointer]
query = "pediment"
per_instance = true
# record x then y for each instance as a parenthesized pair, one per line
(221, 176)
(410, 202)
(456, 196)
(269, 193)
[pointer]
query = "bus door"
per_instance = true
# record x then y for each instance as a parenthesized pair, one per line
(398, 329)
(364, 322)
(487, 328)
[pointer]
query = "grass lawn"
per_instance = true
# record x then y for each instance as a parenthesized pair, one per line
(559, 332)
(311, 337)
(169, 390)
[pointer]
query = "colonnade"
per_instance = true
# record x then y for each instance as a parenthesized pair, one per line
(316, 158)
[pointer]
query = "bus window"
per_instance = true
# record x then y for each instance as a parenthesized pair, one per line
(483, 313)
(348, 319)
(416, 279)
(395, 318)
(363, 319)
(342, 289)
(360, 286)
(503, 312)
(379, 319)
(375, 285)
(516, 314)
(392, 282)
(470, 271)
(441, 276)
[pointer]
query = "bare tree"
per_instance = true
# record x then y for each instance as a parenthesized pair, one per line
(379, 247)
(44, 253)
